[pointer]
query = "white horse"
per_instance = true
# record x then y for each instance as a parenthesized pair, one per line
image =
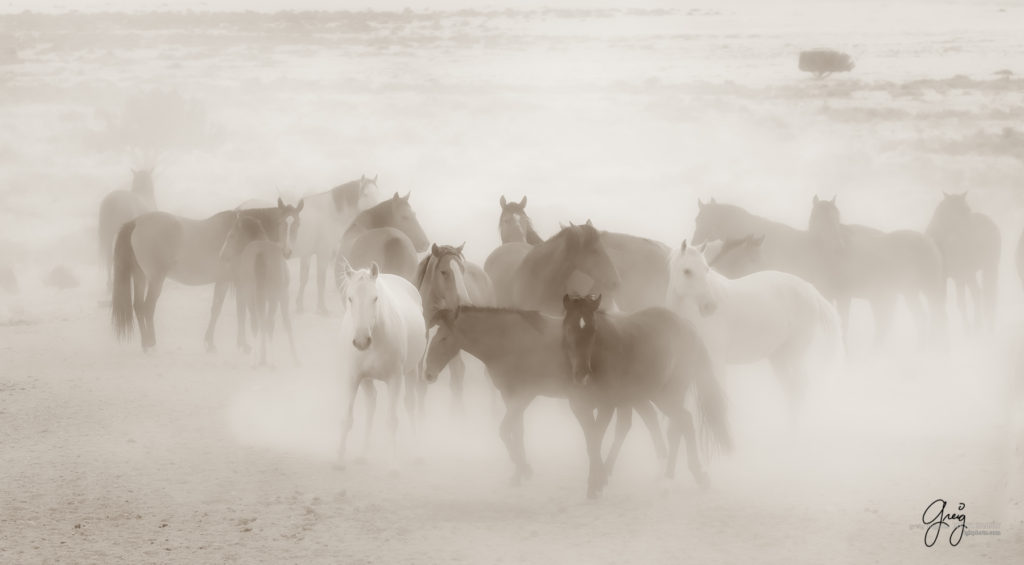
(383, 337)
(765, 315)
(325, 219)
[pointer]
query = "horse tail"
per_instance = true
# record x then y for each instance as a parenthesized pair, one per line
(122, 306)
(711, 403)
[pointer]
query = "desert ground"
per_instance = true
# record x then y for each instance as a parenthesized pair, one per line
(622, 116)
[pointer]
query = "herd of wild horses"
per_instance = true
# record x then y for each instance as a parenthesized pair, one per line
(610, 321)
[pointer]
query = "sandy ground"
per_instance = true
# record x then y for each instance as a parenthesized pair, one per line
(111, 455)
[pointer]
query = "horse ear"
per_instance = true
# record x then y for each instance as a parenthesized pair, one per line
(362, 179)
(395, 197)
(503, 202)
(815, 200)
(700, 204)
(683, 246)
(407, 195)
(280, 203)
(833, 201)
(374, 270)
(562, 226)
(434, 250)
(461, 247)
(522, 203)
(713, 200)
(346, 267)
(566, 301)
(300, 206)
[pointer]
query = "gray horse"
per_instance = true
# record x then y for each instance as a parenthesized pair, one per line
(119, 207)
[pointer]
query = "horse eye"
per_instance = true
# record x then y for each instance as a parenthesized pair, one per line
(687, 272)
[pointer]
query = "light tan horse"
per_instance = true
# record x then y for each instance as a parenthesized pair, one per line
(880, 267)
(970, 244)
(158, 245)
(446, 280)
(324, 220)
(119, 207)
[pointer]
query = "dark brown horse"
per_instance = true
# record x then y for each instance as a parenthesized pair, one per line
(573, 260)
(640, 262)
(649, 356)
(970, 243)
(523, 354)
(158, 245)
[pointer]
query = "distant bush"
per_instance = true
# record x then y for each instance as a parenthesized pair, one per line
(823, 62)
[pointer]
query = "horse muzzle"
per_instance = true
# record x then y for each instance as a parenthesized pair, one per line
(429, 376)
(362, 343)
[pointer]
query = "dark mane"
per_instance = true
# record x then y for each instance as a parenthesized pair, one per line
(531, 317)
(730, 245)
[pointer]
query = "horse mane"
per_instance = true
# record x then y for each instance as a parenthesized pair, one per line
(532, 237)
(346, 195)
(730, 245)
(431, 259)
(532, 317)
(373, 217)
(545, 253)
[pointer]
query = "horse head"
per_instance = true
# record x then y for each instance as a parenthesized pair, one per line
(579, 334)
(444, 345)
(362, 303)
(585, 253)
(688, 277)
(513, 224)
(443, 283)
(244, 230)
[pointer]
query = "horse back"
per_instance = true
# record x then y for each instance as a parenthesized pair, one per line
(406, 313)
(389, 247)
(642, 265)
(501, 266)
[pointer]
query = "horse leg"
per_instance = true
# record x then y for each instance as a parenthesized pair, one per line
(681, 426)
(268, 334)
(510, 431)
(369, 389)
(220, 289)
(457, 371)
(623, 423)
(286, 321)
(346, 418)
(990, 291)
(394, 392)
(650, 417)
(303, 279)
(153, 290)
(584, 412)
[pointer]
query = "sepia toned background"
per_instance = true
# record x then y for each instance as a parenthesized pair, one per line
(625, 116)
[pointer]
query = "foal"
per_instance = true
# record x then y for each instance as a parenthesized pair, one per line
(260, 272)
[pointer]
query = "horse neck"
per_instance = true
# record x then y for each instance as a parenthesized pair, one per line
(531, 236)
(484, 334)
